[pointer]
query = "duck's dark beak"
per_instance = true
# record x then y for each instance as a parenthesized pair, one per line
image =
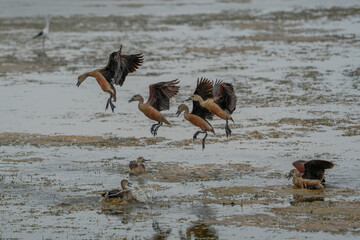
(145, 160)
(129, 183)
(131, 100)
(177, 113)
(289, 176)
(78, 83)
(188, 99)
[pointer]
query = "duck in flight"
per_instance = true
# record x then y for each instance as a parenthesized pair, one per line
(222, 103)
(199, 114)
(159, 99)
(115, 72)
(309, 174)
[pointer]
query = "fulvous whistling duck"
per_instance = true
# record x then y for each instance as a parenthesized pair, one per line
(159, 99)
(119, 193)
(309, 174)
(114, 72)
(197, 121)
(138, 165)
(198, 115)
(222, 104)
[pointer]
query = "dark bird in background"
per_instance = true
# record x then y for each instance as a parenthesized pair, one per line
(221, 104)
(199, 114)
(159, 99)
(43, 34)
(309, 174)
(115, 72)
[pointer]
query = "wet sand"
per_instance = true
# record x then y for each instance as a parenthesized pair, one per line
(295, 72)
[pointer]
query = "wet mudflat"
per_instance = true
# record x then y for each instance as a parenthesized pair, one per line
(296, 74)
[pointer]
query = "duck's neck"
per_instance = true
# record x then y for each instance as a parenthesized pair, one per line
(141, 100)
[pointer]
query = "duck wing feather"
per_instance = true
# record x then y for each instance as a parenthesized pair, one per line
(313, 169)
(226, 98)
(204, 89)
(160, 94)
(119, 66)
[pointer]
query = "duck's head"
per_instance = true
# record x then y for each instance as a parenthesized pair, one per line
(195, 98)
(81, 78)
(136, 97)
(293, 173)
(181, 108)
(125, 183)
(142, 160)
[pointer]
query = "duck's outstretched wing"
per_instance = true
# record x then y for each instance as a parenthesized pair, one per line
(226, 97)
(204, 89)
(119, 66)
(313, 169)
(216, 89)
(160, 94)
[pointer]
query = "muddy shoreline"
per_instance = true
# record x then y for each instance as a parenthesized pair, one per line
(295, 72)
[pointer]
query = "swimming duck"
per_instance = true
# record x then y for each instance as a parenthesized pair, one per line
(159, 99)
(309, 174)
(138, 165)
(222, 104)
(115, 72)
(119, 193)
(199, 114)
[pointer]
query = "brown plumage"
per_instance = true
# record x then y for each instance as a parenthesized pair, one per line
(138, 165)
(115, 72)
(300, 182)
(196, 120)
(223, 104)
(120, 193)
(159, 99)
(307, 171)
(313, 169)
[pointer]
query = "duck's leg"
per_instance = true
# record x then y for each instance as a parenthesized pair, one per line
(152, 128)
(197, 133)
(109, 102)
(203, 141)
(157, 127)
(227, 129)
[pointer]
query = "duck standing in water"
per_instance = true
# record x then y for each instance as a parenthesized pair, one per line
(115, 72)
(159, 99)
(222, 104)
(309, 174)
(199, 114)
(119, 193)
(138, 165)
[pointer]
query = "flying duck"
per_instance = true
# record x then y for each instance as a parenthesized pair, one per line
(222, 104)
(159, 99)
(115, 72)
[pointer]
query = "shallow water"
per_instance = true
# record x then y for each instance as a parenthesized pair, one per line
(296, 76)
